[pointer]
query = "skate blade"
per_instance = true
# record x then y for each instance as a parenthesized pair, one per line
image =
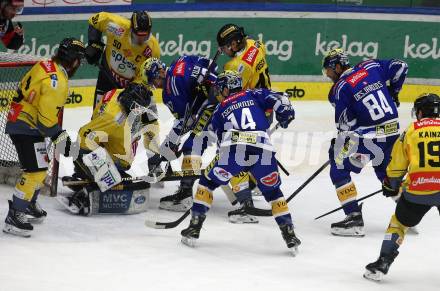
(189, 241)
(10, 229)
(294, 251)
(174, 208)
(413, 230)
(376, 277)
(352, 232)
(242, 219)
(64, 201)
(36, 220)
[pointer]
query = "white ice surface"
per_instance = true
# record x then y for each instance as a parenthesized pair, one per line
(119, 253)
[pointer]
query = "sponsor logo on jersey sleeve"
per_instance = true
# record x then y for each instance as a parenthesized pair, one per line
(48, 66)
(115, 29)
(250, 55)
(355, 78)
(179, 68)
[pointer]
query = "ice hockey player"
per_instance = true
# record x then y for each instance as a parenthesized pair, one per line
(414, 159)
(107, 148)
(129, 43)
(33, 116)
(187, 79)
(367, 122)
(240, 125)
(248, 58)
(11, 35)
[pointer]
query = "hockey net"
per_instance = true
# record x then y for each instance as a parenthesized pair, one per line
(12, 69)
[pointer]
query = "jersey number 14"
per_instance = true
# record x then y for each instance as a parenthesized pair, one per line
(247, 122)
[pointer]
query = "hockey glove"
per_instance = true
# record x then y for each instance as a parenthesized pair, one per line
(387, 189)
(93, 52)
(62, 143)
(394, 95)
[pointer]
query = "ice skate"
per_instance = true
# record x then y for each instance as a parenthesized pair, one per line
(191, 234)
(290, 238)
(16, 223)
(376, 270)
(34, 213)
(240, 216)
(352, 225)
(181, 201)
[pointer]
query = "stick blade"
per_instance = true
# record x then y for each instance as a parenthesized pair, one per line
(154, 224)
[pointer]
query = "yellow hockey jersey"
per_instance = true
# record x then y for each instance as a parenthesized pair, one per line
(42, 92)
(252, 65)
(416, 154)
(121, 55)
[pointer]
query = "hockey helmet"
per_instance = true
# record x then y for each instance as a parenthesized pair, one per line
(228, 33)
(229, 79)
(334, 57)
(150, 70)
(141, 23)
(135, 99)
(71, 49)
(428, 104)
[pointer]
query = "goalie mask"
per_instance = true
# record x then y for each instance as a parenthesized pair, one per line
(228, 79)
(135, 99)
(153, 72)
(428, 104)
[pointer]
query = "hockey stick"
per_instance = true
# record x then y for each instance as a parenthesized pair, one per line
(167, 225)
(339, 208)
(268, 212)
(173, 176)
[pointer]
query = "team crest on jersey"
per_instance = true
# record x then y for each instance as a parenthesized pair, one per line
(147, 52)
(115, 29)
(250, 55)
(270, 180)
(354, 79)
(48, 66)
(179, 68)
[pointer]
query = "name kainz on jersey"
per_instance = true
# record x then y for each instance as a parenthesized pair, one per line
(429, 134)
(367, 89)
(247, 103)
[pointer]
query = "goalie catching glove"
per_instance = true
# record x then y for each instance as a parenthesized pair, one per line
(62, 143)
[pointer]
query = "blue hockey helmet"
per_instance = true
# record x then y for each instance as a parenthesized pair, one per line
(229, 79)
(334, 57)
(150, 70)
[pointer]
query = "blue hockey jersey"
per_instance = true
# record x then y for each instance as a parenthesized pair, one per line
(363, 104)
(241, 118)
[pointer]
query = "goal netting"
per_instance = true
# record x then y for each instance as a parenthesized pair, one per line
(12, 69)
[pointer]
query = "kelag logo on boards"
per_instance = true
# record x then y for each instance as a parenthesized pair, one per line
(295, 92)
(368, 50)
(421, 50)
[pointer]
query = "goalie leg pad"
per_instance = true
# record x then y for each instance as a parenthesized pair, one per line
(103, 169)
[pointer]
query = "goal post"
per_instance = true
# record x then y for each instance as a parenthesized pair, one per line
(12, 69)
